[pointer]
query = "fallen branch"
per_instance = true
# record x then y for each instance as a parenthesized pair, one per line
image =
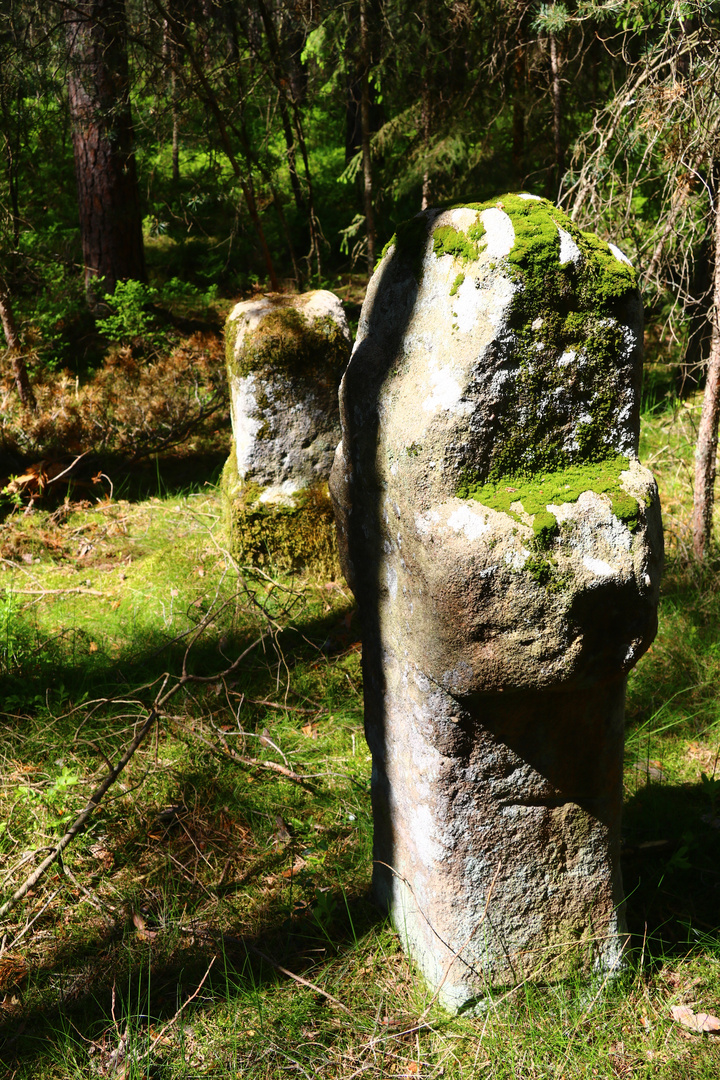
(96, 797)
(254, 763)
(170, 1023)
(268, 960)
(285, 708)
(297, 978)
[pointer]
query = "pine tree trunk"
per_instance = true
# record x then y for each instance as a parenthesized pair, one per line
(365, 122)
(289, 104)
(170, 55)
(706, 448)
(108, 199)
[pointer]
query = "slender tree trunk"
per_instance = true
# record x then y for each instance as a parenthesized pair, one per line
(699, 313)
(243, 176)
(17, 360)
(283, 83)
(557, 112)
(706, 448)
(290, 151)
(518, 136)
(425, 119)
(170, 54)
(365, 122)
(108, 199)
(175, 127)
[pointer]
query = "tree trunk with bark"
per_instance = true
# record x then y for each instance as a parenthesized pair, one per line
(365, 122)
(108, 199)
(17, 360)
(294, 134)
(706, 448)
(243, 176)
(557, 112)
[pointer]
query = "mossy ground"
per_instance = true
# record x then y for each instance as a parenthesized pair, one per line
(195, 856)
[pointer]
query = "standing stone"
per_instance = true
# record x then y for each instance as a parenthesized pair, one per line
(285, 356)
(505, 546)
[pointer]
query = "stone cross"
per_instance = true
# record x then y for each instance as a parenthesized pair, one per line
(504, 545)
(285, 355)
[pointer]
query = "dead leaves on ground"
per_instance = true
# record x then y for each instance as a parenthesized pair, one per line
(13, 979)
(699, 1022)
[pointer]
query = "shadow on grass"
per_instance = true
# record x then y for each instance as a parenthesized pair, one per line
(112, 988)
(154, 948)
(671, 870)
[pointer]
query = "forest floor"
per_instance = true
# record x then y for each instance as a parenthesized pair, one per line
(213, 919)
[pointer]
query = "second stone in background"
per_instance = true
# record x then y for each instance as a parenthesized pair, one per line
(285, 357)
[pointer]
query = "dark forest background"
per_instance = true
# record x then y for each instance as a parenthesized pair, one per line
(161, 158)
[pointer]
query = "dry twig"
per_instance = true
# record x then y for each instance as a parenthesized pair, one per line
(254, 763)
(96, 797)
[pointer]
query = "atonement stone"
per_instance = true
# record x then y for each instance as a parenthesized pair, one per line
(285, 356)
(504, 545)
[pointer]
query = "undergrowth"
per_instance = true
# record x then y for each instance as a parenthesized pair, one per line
(214, 918)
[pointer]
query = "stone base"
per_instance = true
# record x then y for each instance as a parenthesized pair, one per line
(290, 531)
(497, 832)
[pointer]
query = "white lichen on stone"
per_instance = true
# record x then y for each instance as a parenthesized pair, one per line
(599, 567)
(569, 251)
(471, 523)
(619, 254)
(500, 234)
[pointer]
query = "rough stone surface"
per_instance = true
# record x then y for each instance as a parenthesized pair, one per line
(505, 546)
(285, 356)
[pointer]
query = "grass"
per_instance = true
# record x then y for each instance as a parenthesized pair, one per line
(162, 946)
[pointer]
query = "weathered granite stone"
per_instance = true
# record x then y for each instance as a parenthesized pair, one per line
(505, 546)
(285, 356)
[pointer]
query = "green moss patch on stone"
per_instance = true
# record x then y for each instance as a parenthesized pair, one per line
(566, 336)
(285, 341)
(456, 284)
(448, 240)
(290, 538)
(566, 340)
(554, 488)
(541, 569)
(545, 529)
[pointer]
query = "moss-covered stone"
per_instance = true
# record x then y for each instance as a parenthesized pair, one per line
(566, 337)
(448, 240)
(564, 485)
(296, 536)
(286, 341)
(285, 357)
(545, 528)
(495, 644)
